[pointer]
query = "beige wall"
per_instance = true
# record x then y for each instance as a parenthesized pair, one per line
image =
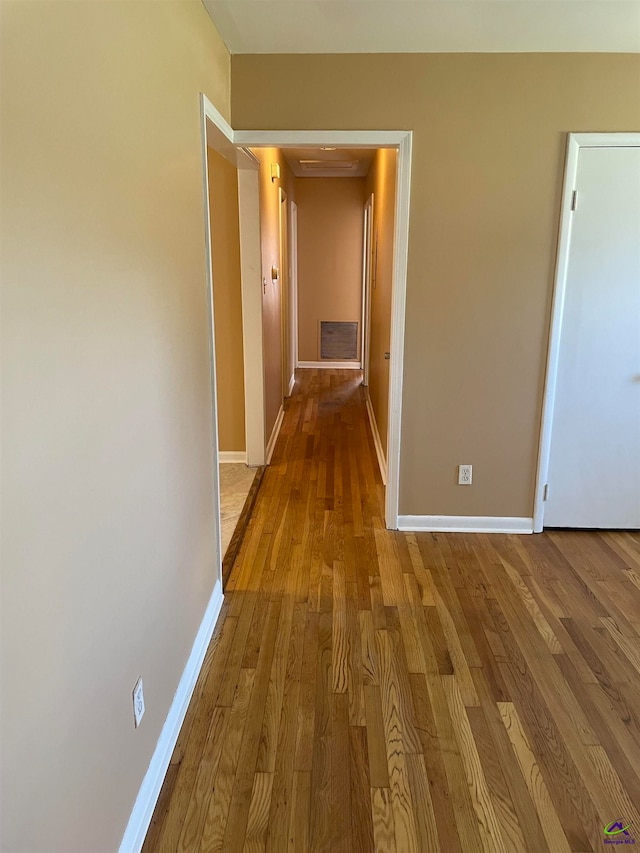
(271, 300)
(488, 155)
(381, 182)
(227, 300)
(330, 223)
(108, 551)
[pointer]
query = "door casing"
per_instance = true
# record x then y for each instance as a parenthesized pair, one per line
(575, 141)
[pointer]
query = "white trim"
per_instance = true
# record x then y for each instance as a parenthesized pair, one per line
(207, 111)
(606, 140)
(402, 140)
(575, 141)
(464, 524)
(252, 329)
(274, 435)
(367, 280)
(314, 138)
(382, 463)
(219, 135)
(330, 365)
(292, 383)
(398, 307)
(217, 119)
(227, 456)
(149, 791)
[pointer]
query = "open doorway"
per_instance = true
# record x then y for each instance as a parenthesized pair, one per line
(256, 276)
(367, 266)
(370, 333)
(344, 258)
(231, 374)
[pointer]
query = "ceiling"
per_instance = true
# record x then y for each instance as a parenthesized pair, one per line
(323, 163)
(427, 26)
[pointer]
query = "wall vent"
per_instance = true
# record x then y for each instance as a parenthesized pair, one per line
(323, 165)
(338, 340)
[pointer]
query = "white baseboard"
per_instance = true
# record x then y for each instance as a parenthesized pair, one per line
(292, 382)
(331, 365)
(145, 803)
(465, 524)
(274, 435)
(382, 462)
(225, 456)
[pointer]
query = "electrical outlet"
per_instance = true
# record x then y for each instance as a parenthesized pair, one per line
(465, 473)
(138, 703)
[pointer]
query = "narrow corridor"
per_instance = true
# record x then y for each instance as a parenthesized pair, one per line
(371, 690)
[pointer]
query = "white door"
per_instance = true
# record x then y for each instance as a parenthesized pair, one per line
(594, 463)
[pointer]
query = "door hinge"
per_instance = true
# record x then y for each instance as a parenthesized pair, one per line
(545, 494)
(574, 200)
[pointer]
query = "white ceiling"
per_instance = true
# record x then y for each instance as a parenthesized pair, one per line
(426, 26)
(320, 163)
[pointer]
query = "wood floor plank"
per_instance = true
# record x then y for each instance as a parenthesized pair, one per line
(361, 819)
(383, 827)
(217, 813)
(258, 821)
(298, 836)
(371, 690)
(490, 835)
(538, 792)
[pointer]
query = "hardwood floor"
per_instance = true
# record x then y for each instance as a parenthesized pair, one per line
(371, 690)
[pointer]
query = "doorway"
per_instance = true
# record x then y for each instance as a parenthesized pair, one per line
(367, 267)
(590, 452)
(401, 141)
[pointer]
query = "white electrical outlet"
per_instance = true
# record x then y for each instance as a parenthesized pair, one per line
(465, 474)
(138, 703)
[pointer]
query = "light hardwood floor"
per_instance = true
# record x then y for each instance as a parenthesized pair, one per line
(371, 690)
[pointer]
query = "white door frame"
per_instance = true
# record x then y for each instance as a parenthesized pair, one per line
(575, 141)
(402, 141)
(218, 135)
(367, 280)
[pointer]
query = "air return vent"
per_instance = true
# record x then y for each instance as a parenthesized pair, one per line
(338, 340)
(322, 165)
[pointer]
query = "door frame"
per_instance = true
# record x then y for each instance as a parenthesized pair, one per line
(402, 141)
(575, 141)
(367, 280)
(216, 133)
(219, 135)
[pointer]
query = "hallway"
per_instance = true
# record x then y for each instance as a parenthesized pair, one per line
(371, 690)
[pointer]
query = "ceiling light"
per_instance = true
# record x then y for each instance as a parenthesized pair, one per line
(327, 149)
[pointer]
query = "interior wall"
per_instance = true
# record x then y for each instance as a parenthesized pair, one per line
(381, 181)
(227, 301)
(330, 232)
(108, 551)
(271, 298)
(488, 158)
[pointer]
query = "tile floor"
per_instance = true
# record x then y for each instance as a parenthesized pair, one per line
(235, 482)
